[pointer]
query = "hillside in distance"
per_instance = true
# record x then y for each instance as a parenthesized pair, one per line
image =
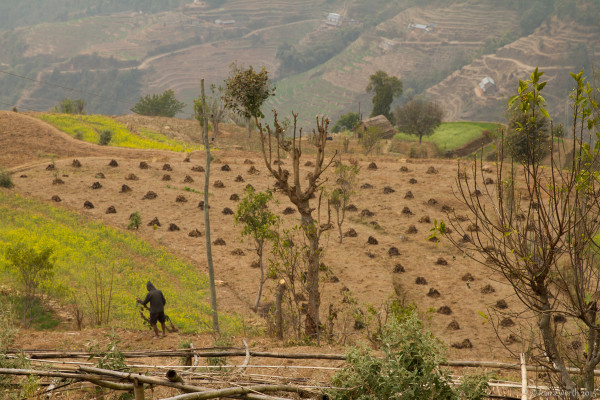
(441, 49)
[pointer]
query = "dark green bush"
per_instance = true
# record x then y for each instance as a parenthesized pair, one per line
(105, 137)
(5, 179)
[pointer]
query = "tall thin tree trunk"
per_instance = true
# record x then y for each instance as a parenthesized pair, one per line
(262, 276)
(215, 125)
(314, 297)
(209, 259)
(248, 120)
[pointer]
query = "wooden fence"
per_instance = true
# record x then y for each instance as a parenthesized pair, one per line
(203, 382)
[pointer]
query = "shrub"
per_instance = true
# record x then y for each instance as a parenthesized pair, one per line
(5, 179)
(34, 268)
(105, 137)
(409, 369)
(79, 135)
(135, 220)
(162, 105)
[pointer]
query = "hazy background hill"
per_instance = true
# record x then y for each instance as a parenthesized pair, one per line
(112, 52)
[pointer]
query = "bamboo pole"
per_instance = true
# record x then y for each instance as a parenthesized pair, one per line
(246, 359)
(138, 390)
(523, 377)
(186, 353)
(144, 379)
(69, 375)
(235, 392)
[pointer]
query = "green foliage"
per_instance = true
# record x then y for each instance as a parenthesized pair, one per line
(34, 267)
(135, 220)
(257, 222)
(6, 179)
(162, 105)
(475, 387)
(419, 118)
(346, 122)
(409, 369)
(105, 137)
(68, 106)
(41, 317)
(109, 357)
(246, 90)
(369, 139)
(528, 139)
(17, 387)
(529, 125)
(386, 88)
(255, 217)
(452, 135)
(9, 330)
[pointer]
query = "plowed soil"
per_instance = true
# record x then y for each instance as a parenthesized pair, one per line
(366, 270)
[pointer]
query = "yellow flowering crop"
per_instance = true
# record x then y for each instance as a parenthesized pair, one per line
(89, 128)
(80, 245)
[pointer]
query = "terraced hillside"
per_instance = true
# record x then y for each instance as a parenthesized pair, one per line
(175, 49)
(550, 47)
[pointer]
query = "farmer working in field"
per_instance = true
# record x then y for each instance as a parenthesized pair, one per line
(157, 307)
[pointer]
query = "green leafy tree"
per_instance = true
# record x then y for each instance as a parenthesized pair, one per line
(105, 137)
(346, 122)
(257, 222)
(246, 90)
(33, 267)
(419, 118)
(135, 220)
(216, 109)
(68, 106)
(345, 186)
(159, 105)
(5, 179)
(409, 369)
(386, 89)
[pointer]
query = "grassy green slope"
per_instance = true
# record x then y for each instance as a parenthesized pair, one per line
(88, 127)
(452, 135)
(82, 245)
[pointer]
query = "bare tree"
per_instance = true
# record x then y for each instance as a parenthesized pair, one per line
(216, 109)
(275, 144)
(538, 230)
(343, 189)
